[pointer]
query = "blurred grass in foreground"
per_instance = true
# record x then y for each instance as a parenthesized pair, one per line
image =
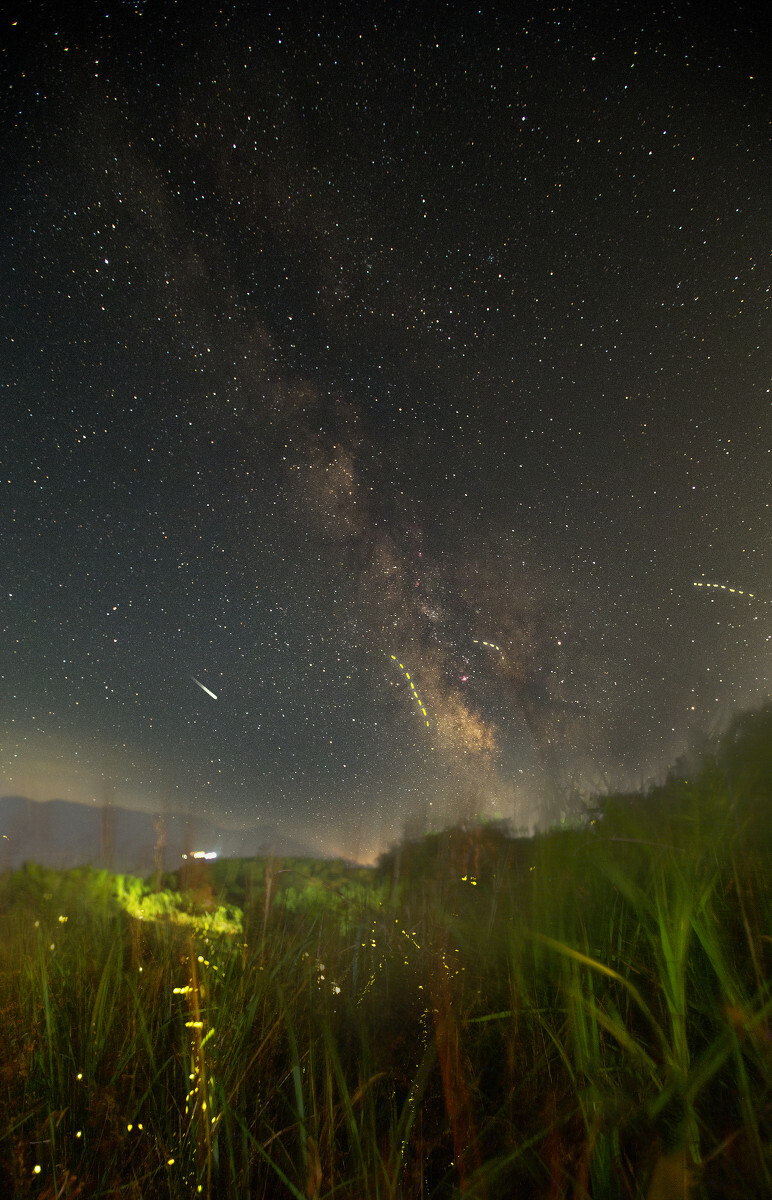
(583, 1014)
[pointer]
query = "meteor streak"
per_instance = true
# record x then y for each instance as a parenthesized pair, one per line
(203, 687)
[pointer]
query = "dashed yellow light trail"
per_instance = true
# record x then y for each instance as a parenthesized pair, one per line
(724, 587)
(490, 645)
(406, 673)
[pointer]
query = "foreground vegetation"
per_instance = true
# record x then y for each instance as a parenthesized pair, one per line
(583, 1014)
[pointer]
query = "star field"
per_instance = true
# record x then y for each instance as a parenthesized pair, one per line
(338, 339)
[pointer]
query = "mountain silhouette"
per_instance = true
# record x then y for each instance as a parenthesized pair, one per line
(63, 833)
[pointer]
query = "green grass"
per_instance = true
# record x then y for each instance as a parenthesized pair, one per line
(584, 1014)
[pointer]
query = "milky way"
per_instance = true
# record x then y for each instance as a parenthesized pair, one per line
(343, 338)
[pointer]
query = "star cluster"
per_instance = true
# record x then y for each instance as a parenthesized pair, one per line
(334, 334)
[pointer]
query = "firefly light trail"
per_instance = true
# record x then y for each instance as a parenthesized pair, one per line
(412, 685)
(723, 587)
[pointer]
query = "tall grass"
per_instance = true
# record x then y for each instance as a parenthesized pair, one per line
(586, 1014)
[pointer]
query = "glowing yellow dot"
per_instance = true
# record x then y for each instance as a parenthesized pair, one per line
(170, 1162)
(37, 1169)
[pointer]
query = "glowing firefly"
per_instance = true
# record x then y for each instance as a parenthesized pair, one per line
(723, 587)
(406, 673)
(203, 687)
(490, 645)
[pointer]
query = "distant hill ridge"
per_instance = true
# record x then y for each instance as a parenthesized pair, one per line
(64, 833)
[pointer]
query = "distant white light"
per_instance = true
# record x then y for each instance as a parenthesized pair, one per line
(203, 854)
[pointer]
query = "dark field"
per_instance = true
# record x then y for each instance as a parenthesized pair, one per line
(583, 1014)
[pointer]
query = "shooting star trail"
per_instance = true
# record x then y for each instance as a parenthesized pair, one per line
(203, 687)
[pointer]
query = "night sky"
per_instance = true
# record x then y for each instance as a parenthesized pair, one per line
(336, 333)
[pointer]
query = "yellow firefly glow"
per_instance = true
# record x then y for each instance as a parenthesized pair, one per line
(406, 673)
(724, 587)
(490, 645)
